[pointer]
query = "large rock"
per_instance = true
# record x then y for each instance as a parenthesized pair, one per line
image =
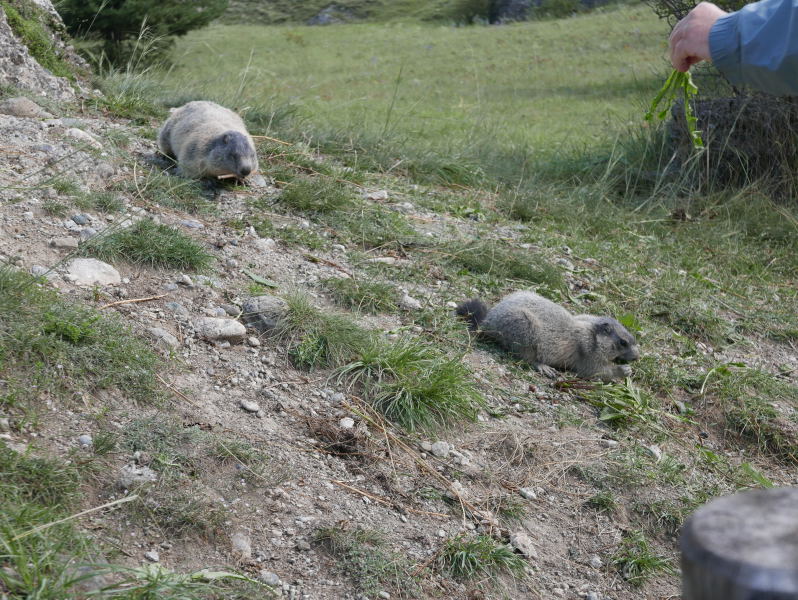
(220, 330)
(19, 69)
(265, 313)
(90, 271)
(24, 108)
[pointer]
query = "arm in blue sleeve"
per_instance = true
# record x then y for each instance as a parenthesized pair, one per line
(757, 46)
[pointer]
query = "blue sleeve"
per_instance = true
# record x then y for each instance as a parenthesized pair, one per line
(757, 46)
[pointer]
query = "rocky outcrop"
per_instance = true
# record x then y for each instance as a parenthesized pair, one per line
(19, 68)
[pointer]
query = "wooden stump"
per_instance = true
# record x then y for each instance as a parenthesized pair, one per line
(743, 547)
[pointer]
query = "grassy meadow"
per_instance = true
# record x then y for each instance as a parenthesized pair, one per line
(495, 99)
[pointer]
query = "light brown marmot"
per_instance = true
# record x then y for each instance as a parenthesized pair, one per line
(548, 337)
(208, 140)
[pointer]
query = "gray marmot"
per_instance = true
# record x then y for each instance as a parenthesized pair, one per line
(548, 336)
(208, 140)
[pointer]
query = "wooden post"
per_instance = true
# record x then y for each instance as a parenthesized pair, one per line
(743, 547)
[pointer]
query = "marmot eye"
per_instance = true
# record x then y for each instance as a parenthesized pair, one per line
(624, 343)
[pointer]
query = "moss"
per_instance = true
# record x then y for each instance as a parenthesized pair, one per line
(26, 21)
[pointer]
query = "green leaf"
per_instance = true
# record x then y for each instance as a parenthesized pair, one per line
(261, 280)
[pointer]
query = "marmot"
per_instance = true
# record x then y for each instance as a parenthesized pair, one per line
(548, 336)
(208, 140)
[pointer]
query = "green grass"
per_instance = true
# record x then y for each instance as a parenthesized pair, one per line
(150, 244)
(169, 191)
(362, 294)
(414, 384)
(317, 195)
(637, 561)
(480, 556)
(441, 103)
(52, 346)
(320, 338)
(362, 554)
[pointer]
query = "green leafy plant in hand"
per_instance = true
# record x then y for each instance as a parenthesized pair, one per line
(677, 84)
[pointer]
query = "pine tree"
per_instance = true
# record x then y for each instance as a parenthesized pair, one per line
(118, 23)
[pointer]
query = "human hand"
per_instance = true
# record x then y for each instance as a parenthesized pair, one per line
(689, 41)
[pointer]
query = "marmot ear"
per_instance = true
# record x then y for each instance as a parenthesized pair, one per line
(226, 138)
(605, 328)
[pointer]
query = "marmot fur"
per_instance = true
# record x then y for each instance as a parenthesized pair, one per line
(208, 140)
(546, 335)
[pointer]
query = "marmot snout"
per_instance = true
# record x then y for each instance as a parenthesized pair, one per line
(208, 140)
(549, 337)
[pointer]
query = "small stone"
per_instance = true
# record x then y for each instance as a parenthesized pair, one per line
(177, 308)
(608, 443)
(39, 271)
(171, 287)
(558, 592)
(185, 280)
(451, 304)
(163, 338)
(264, 313)
(655, 451)
(64, 243)
(241, 546)
(595, 562)
(409, 303)
(253, 341)
(90, 271)
(87, 233)
(256, 180)
(384, 595)
(565, 263)
(523, 543)
(23, 108)
(266, 244)
(220, 330)
(384, 260)
(152, 556)
(28, 215)
(528, 493)
(346, 423)
(269, 578)
(84, 441)
(5, 425)
(132, 476)
(426, 446)
(249, 405)
(378, 195)
(80, 219)
(231, 263)
(192, 224)
(441, 533)
(592, 596)
(303, 545)
(232, 310)
(83, 137)
(441, 449)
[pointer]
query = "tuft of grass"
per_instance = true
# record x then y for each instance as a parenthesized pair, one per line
(320, 338)
(318, 195)
(413, 384)
(104, 202)
(51, 346)
(178, 508)
(172, 192)
(363, 556)
(501, 262)
(150, 244)
(637, 562)
(362, 295)
(480, 556)
(603, 501)
(130, 95)
(36, 480)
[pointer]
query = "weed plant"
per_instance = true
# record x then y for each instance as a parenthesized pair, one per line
(362, 295)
